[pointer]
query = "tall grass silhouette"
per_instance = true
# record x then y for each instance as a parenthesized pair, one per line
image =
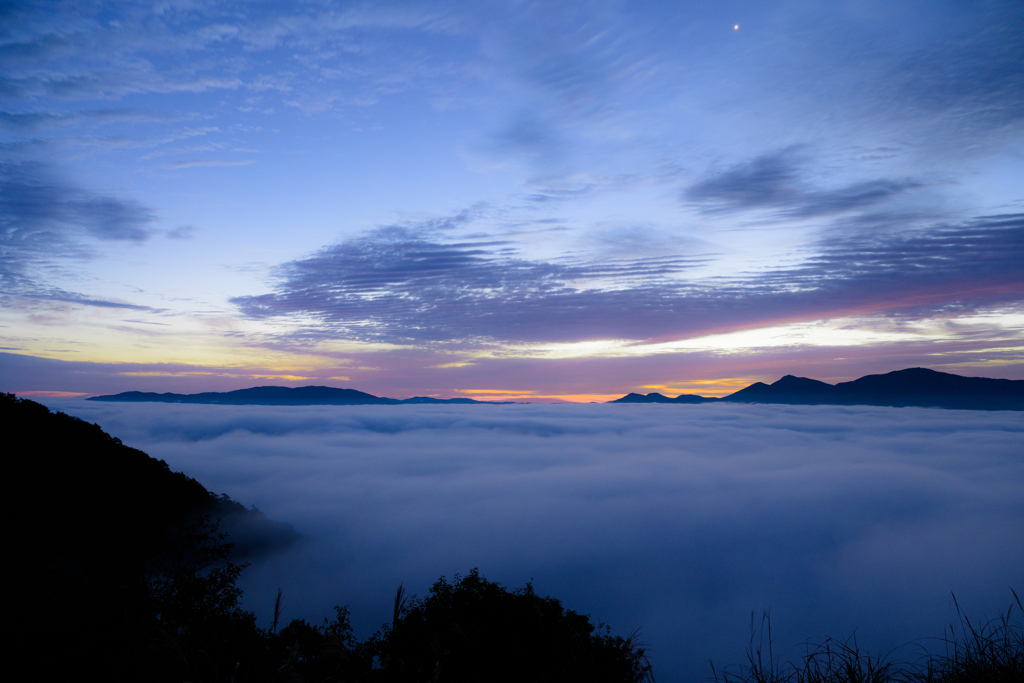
(989, 652)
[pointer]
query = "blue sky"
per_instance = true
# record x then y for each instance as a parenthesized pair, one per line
(508, 199)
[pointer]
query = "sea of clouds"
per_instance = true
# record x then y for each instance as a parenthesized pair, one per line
(677, 520)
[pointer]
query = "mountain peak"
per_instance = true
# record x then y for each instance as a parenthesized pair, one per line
(792, 383)
(920, 387)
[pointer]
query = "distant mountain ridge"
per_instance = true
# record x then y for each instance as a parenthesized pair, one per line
(279, 396)
(661, 398)
(913, 387)
(917, 387)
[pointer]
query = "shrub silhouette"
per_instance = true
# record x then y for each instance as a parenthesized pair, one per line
(475, 630)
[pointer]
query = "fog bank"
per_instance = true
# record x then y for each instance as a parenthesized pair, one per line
(679, 520)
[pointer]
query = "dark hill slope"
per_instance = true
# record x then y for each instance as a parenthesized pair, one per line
(108, 541)
(105, 495)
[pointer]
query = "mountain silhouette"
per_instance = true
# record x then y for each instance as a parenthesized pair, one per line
(789, 389)
(659, 398)
(268, 396)
(279, 396)
(918, 387)
(924, 387)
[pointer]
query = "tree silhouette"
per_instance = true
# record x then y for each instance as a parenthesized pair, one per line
(473, 629)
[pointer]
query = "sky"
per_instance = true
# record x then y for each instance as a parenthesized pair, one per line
(518, 200)
(680, 521)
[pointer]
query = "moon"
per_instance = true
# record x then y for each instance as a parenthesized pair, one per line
(736, 27)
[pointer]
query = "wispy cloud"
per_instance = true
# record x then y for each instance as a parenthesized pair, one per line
(87, 55)
(47, 218)
(198, 163)
(966, 88)
(774, 182)
(36, 199)
(41, 120)
(395, 285)
(182, 232)
(56, 294)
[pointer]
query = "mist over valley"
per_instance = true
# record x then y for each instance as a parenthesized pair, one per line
(678, 522)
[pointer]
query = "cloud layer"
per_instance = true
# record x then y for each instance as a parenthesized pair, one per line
(680, 520)
(397, 285)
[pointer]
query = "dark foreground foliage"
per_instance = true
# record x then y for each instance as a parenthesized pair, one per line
(991, 652)
(123, 574)
(476, 630)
